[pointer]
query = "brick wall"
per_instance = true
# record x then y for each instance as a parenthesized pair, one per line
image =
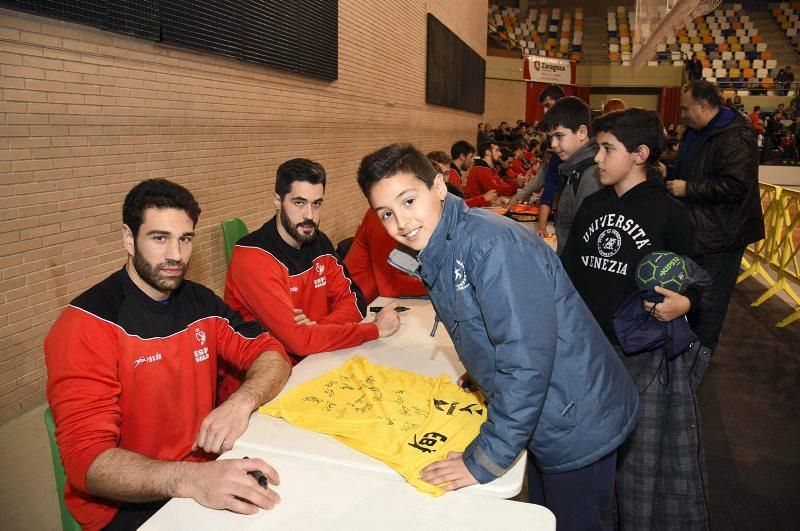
(85, 114)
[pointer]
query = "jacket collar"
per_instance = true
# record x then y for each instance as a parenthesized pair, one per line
(586, 151)
(483, 164)
(432, 257)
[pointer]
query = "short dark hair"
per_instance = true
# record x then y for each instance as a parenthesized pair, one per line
(439, 156)
(462, 147)
(569, 112)
(702, 90)
(519, 144)
(506, 153)
(391, 160)
(486, 146)
(757, 108)
(295, 170)
(634, 127)
(552, 91)
(157, 193)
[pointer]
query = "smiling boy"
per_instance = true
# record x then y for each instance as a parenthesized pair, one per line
(567, 123)
(552, 381)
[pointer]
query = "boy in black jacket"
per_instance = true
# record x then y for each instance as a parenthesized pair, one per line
(660, 475)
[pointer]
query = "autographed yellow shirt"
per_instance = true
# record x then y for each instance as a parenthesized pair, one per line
(404, 419)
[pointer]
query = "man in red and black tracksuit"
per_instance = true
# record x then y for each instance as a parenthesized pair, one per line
(484, 175)
(132, 365)
(463, 158)
(287, 275)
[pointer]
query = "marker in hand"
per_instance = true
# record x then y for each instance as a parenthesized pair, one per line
(258, 476)
(377, 309)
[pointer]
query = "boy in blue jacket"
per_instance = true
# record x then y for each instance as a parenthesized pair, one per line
(552, 380)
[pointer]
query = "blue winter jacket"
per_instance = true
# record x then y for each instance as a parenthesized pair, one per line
(553, 382)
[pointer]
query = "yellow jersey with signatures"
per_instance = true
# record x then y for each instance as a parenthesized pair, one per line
(404, 419)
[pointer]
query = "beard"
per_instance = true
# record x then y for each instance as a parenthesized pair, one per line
(294, 231)
(151, 273)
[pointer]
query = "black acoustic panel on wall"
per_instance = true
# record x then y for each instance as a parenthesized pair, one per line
(134, 17)
(91, 12)
(318, 45)
(211, 25)
(297, 35)
(269, 33)
(455, 74)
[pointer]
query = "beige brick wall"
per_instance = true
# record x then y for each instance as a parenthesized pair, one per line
(85, 114)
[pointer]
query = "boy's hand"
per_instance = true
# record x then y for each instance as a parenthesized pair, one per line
(673, 306)
(465, 382)
(450, 474)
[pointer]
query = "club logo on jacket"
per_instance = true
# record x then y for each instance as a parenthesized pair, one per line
(147, 359)
(320, 268)
(294, 289)
(200, 335)
(460, 275)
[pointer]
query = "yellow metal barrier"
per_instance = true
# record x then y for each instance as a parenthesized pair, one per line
(781, 246)
(765, 251)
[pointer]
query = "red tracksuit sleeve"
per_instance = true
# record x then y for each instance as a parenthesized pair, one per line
(239, 342)
(358, 263)
(481, 180)
(342, 303)
(257, 285)
(83, 390)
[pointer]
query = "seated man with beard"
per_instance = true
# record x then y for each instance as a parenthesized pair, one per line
(287, 276)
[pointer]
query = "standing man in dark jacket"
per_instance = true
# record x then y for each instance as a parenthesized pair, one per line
(717, 178)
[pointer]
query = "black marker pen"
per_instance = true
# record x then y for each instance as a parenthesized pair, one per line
(377, 309)
(258, 476)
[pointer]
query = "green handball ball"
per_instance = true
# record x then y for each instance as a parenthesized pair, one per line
(665, 269)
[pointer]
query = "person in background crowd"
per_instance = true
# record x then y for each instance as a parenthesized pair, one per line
(693, 68)
(568, 123)
(780, 82)
(487, 135)
(485, 174)
(462, 155)
(737, 103)
(755, 119)
(717, 179)
(547, 177)
(789, 75)
(772, 131)
(672, 131)
(614, 104)
(668, 157)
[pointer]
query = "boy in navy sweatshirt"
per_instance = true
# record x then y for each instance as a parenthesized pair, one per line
(613, 229)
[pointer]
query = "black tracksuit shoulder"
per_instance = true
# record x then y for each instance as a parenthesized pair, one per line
(119, 301)
(295, 260)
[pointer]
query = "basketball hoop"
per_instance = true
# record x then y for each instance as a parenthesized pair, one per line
(655, 20)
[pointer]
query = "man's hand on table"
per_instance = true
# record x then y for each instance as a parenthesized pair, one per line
(220, 429)
(388, 320)
(225, 484)
(450, 474)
